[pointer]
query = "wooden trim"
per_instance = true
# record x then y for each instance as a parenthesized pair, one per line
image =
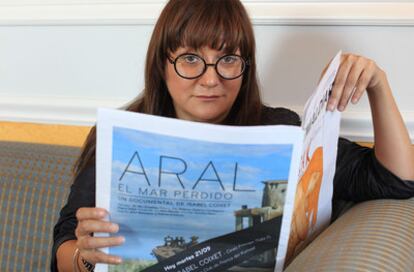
(43, 133)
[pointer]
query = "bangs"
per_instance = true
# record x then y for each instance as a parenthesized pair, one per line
(218, 24)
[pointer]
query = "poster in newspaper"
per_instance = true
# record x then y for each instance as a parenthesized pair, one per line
(199, 197)
(191, 196)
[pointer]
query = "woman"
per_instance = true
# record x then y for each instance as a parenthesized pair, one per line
(201, 66)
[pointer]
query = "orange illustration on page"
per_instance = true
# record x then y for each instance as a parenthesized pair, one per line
(306, 205)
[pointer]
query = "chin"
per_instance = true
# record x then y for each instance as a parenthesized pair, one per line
(210, 118)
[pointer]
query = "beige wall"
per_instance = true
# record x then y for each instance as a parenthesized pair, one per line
(61, 59)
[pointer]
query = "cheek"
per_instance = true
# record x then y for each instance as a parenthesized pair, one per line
(233, 86)
(170, 76)
(176, 85)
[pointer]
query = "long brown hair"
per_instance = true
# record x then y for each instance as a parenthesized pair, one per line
(218, 24)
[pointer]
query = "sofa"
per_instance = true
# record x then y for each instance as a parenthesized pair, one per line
(35, 180)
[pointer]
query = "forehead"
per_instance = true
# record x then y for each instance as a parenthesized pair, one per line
(204, 51)
(197, 38)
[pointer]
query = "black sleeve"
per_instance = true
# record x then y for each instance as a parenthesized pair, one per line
(360, 176)
(82, 194)
(279, 116)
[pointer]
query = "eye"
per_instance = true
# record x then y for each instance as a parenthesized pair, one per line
(229, 59)
(191, 59)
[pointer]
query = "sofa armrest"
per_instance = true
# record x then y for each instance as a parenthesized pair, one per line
(372, 236)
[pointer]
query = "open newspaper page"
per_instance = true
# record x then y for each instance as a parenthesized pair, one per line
(313, 200)
(194, 197)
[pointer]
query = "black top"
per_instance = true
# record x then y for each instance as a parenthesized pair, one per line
(359, 176)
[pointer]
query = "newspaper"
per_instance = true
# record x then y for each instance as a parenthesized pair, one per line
(191, 196)
(312, 205)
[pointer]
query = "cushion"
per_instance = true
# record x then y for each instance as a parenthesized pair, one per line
(34, 183)
(372, 236)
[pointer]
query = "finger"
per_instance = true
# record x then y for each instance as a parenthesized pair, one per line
(361, 86)
(339, 83)
(91, 213)
(351, 83)
(97, 256)
(89, 242)
(86, 227)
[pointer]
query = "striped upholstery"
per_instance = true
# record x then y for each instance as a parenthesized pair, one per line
(34, 182)
(372, 236)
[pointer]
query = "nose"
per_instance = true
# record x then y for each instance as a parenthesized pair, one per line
(210, 78)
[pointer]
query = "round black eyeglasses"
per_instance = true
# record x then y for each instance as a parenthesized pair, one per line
(192, 66)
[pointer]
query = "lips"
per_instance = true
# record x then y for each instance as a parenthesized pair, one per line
(207, 97)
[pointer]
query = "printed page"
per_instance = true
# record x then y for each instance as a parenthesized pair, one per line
(311, 204)
(194, 197)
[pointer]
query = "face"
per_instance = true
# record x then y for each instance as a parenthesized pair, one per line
(207, 98)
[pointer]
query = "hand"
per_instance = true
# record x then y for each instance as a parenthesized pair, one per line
(91, 220)
(355, 75)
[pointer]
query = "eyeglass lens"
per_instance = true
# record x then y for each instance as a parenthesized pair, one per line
(193, 66)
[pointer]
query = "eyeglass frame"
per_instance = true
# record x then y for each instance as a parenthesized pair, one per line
(206, 65)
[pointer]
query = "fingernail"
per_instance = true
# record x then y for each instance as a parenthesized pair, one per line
(102, 213)
(354, 100)
(341, 108)
(118, 260)
(331, 106)
(122, 239)
(115, 227)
